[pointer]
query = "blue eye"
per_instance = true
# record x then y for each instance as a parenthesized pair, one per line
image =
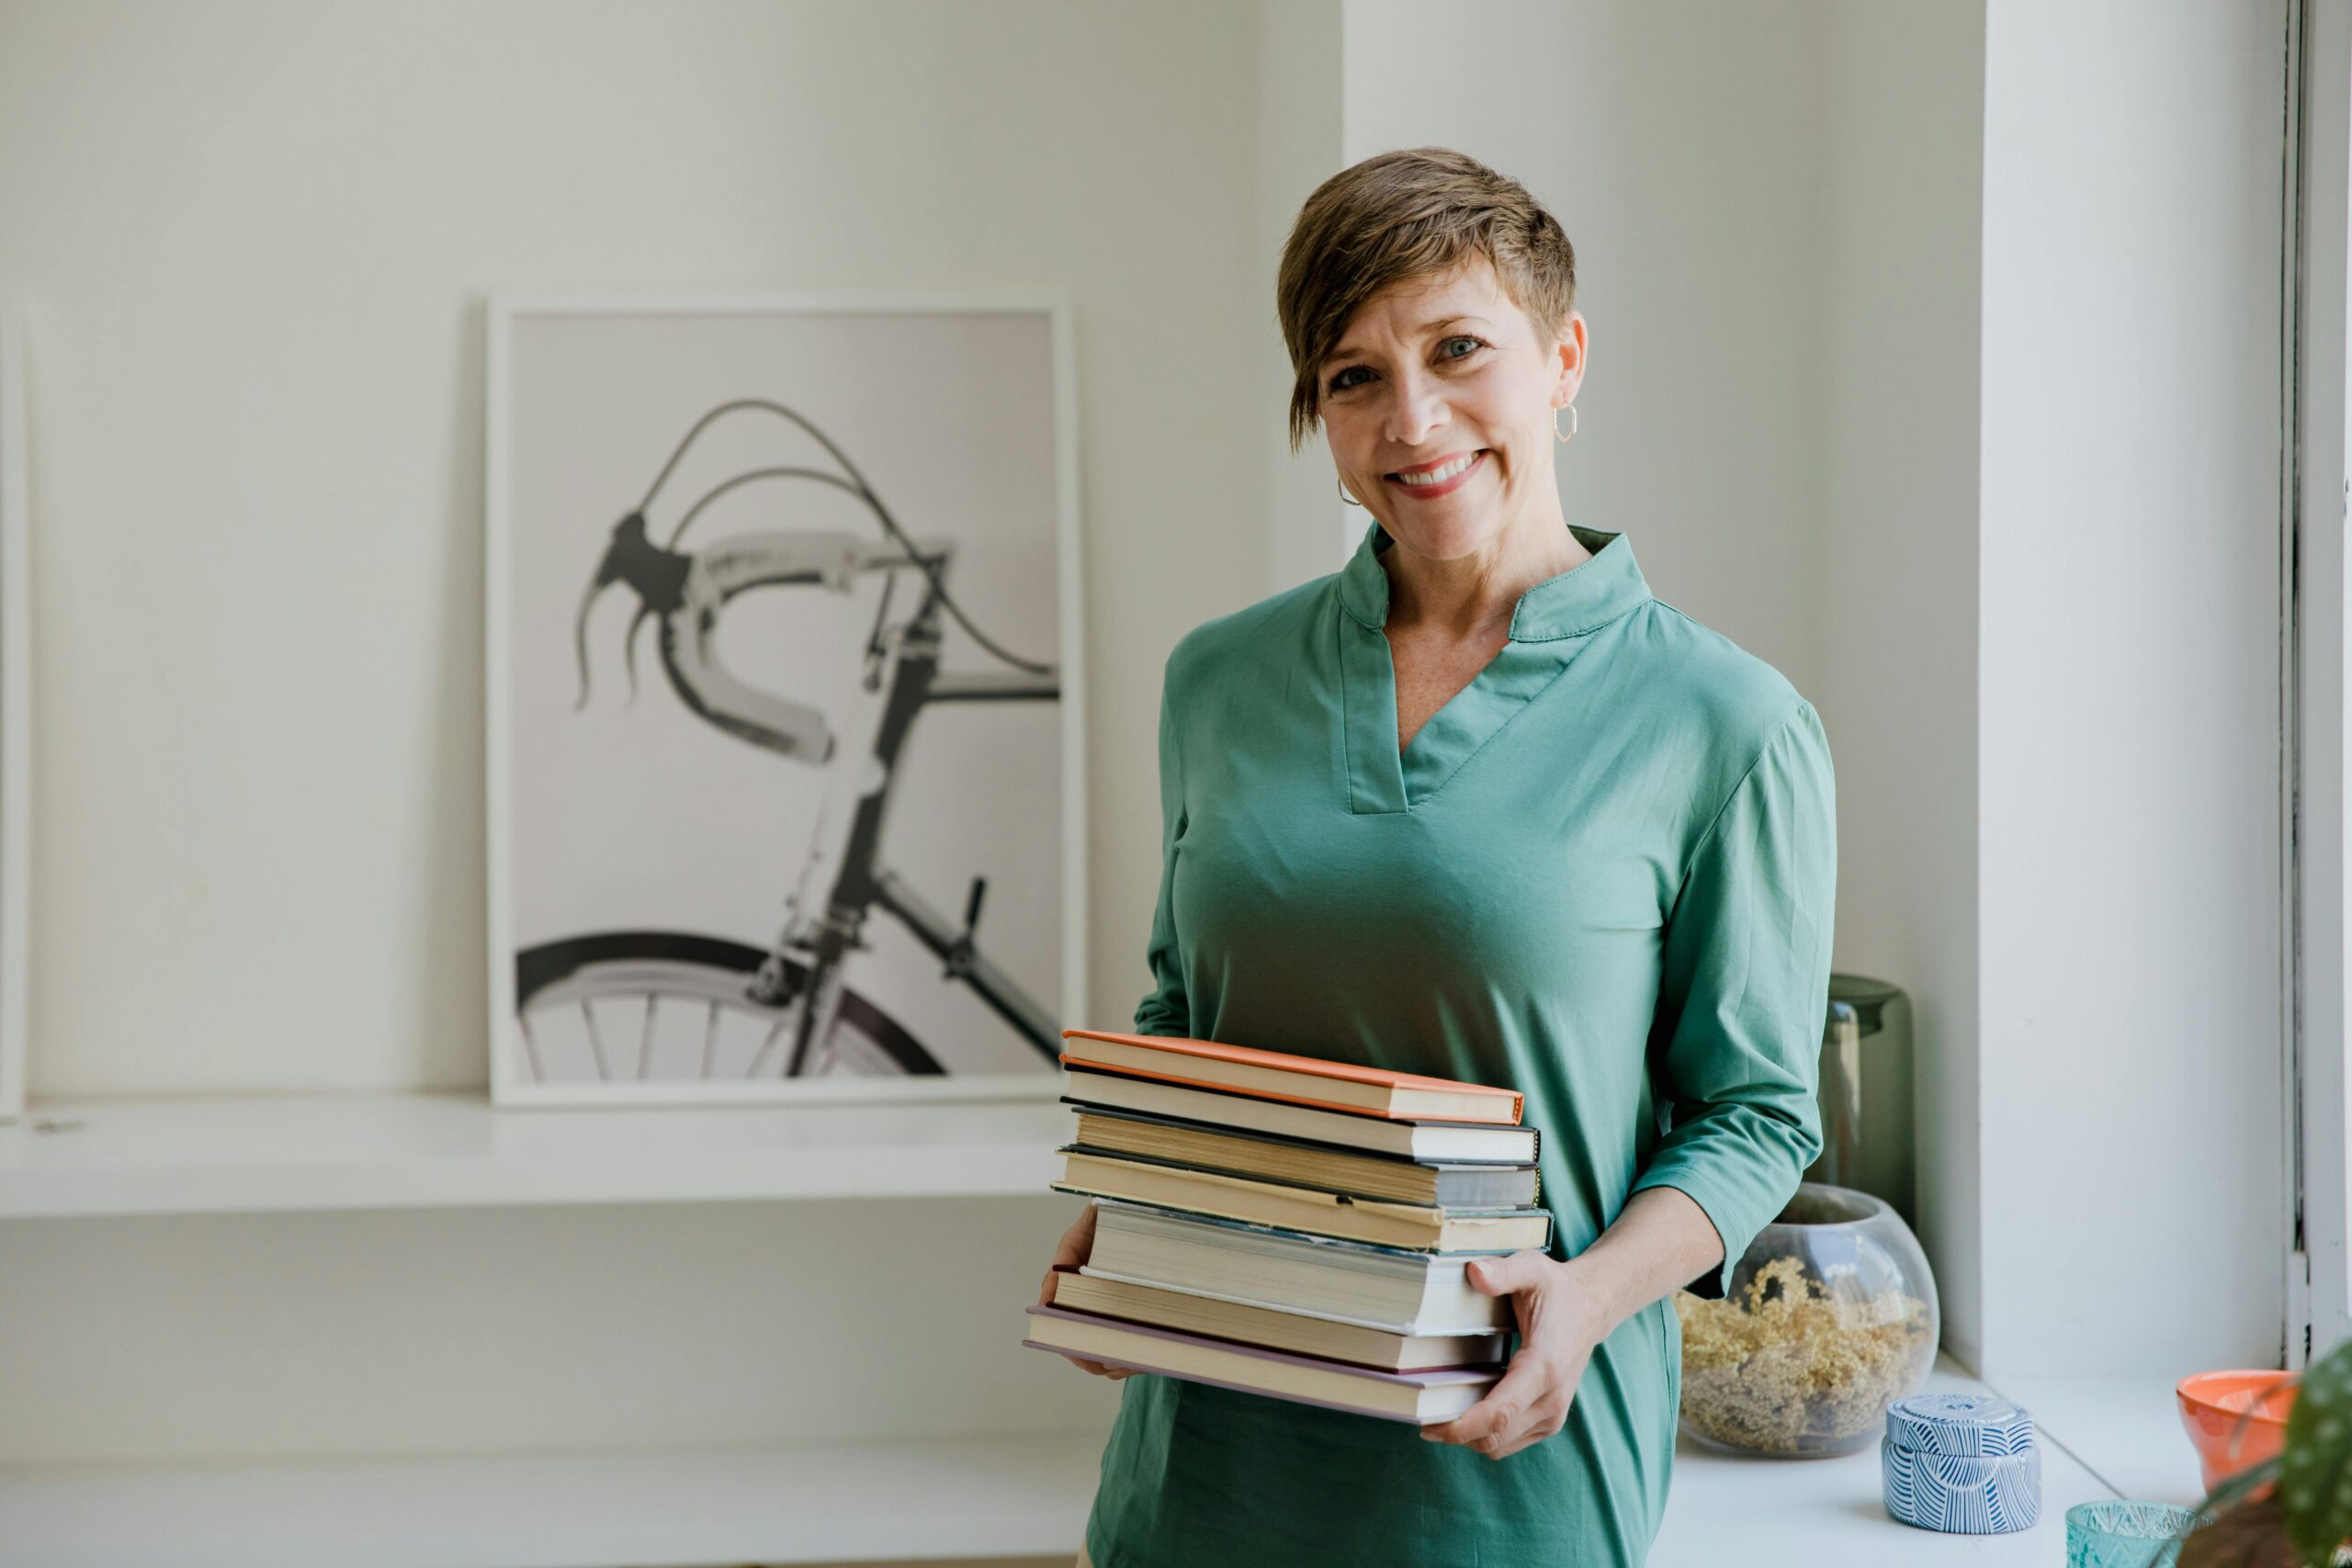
(1338, 384)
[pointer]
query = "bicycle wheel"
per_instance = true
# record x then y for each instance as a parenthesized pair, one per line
(624, 989)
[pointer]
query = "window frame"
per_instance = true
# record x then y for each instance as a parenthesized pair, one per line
(2315, 676)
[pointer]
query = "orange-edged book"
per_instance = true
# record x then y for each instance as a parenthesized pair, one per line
(1301, 1080)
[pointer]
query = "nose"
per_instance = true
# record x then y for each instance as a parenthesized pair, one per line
(1419, 408)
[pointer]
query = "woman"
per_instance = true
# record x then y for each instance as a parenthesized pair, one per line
(1480, 806)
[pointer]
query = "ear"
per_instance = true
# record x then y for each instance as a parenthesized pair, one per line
(1571, 354)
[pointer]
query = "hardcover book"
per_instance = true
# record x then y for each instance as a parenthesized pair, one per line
(1158, 1307)
(1464, 1143)
(1397, 1289)
(1303, 1208)
(1307, 1080)
(1272, 1157)
(1420, 1397)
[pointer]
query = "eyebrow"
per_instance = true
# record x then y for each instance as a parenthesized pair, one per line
(1425, 329)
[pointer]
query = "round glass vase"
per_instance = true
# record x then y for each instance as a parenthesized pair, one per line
(1831, 1316)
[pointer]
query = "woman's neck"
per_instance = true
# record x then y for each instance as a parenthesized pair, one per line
(1470, 595)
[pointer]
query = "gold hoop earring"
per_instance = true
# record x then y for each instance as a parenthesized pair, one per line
(1572, 421)
(1351, 500)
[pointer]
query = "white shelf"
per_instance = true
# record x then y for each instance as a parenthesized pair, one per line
(973, 1498)
(1802, 1513)
(424, 1151)
(968, 1498)
(2126, 1431)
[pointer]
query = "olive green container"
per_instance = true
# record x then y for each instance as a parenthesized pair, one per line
(1866, 1093)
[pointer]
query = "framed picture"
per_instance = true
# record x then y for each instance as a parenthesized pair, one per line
(15, 718)
(785, 771)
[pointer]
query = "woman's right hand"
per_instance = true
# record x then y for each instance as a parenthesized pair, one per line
(1076, 1245)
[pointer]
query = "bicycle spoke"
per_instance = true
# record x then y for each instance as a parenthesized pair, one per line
(767, 1045)
(596, 1040)
(832, 1031)
(531, 1048)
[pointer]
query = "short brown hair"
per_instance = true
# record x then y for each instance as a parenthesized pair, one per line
(1409, 214)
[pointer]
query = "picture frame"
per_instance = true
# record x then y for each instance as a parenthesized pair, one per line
(887, 479)
(16, 717)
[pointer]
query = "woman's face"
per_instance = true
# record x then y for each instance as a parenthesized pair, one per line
(1445, 376)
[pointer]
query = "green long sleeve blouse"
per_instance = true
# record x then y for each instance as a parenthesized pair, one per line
(1602, 874)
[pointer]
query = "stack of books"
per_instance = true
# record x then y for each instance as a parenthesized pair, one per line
(1291, 1226)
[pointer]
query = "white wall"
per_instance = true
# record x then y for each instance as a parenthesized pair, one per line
(1309, 530)
(1673, 144)
(1943, 376)
(1902, 90)
(2127, 691)
(693, 1325)
(251, 240)
(1776, 215)
(254, 239)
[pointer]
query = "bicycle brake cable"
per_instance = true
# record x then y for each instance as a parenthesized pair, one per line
(856, 485)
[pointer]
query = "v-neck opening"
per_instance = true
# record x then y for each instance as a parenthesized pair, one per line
(1397, 726)
(1551, 620)
(1383, 777)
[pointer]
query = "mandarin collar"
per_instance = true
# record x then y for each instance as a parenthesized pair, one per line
(1577, 601)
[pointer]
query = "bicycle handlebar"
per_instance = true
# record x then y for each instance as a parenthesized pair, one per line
(685, 592)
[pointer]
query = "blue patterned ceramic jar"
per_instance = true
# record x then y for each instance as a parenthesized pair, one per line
(1963, 1463)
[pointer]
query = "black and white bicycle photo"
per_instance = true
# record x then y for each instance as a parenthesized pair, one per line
(782, 731)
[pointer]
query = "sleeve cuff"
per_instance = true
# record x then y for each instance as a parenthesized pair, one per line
(1714, 1285)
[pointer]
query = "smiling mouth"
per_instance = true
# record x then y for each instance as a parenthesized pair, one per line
(1440, 479)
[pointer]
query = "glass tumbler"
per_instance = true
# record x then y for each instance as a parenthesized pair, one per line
(2126, 1535)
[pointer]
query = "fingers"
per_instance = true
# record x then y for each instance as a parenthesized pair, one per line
(1522, 1408)
(1501, 1276)
(1076, 1242)
(1483, 1422)
(1518, 1430)
(1500, 1409)
(1077, 1245)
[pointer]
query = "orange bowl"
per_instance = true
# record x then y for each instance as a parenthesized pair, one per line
(2235, 1419)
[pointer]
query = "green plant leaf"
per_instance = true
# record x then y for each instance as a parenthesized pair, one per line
(2316, 1462)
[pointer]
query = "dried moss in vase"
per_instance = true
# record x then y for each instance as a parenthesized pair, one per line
(1790, 1365)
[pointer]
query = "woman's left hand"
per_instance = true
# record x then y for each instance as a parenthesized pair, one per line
(1559, 1324)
